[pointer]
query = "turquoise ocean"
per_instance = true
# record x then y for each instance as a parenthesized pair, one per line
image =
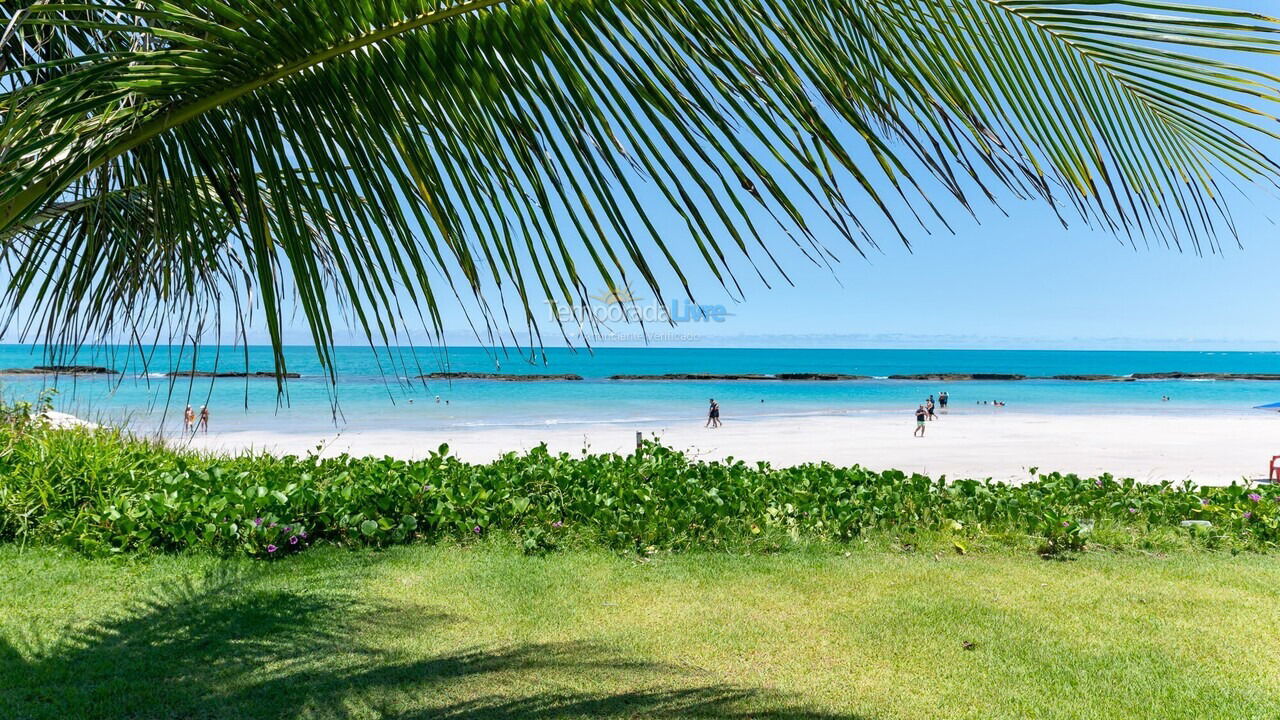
(377, 390)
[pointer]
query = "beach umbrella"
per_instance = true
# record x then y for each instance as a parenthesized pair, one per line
(1272, 406)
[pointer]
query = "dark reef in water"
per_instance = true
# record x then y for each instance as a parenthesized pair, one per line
(695, 376)
(820, 376)
(741, 376)
(1093, 378)
(950, 377)
(60, 370)
(497, 376)
(1205, 376)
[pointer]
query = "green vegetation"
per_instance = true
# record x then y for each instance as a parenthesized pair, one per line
(482, 631)
(101, 492)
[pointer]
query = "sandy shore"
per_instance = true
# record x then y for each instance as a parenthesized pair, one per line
(1208, 449)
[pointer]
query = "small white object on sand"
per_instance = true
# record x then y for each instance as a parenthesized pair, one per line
(63, 421)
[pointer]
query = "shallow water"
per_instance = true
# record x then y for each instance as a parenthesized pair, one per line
(375, 390)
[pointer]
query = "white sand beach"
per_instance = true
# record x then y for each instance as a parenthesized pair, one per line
(1208, 449)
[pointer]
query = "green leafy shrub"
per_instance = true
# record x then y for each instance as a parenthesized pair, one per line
(105, 492)
(1062, 535)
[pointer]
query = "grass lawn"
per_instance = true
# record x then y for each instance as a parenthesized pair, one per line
(484, 632)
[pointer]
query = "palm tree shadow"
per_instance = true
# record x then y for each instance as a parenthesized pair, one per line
(221, 646)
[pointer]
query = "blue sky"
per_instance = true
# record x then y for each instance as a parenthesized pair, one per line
(1016, 281)
(1026, 281)
(1021, 281)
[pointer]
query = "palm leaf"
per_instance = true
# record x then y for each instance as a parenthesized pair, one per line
(176, 270)
(489, 150)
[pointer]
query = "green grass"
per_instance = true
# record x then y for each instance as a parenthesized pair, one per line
(482, 631)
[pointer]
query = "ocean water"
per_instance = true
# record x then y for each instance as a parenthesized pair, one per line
(380, 390)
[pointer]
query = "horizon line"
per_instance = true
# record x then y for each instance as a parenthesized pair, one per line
(1274, 349)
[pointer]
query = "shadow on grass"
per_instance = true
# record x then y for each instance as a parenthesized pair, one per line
(222, 647)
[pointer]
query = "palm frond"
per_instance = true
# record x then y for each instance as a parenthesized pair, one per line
(118, 264)
(485, 148)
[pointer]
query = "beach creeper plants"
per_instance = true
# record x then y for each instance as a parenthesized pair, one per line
(103, 492)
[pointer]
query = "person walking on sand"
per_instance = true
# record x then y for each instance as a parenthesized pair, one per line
(188, 420)
(928, 408)
(204, 418)
(713, 415)
(920, 415)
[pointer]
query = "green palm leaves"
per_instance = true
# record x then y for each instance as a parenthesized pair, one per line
(391, 155)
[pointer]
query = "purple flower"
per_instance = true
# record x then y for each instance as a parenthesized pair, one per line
(293, 540)
(271, 548)
(1255, 497)
(1204, 501)
(272, 525)
(288, 529)
(257, 521)
(1066, 523)
(557, 524)
(1247, 515)
(302, 534)
(476, 530)
(1133, 510)
(1097, 483)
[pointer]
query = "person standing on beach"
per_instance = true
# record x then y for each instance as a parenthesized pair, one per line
(713, 415)
(928, 408)
(920, 415)
(188, 420)
(942, 400)
(204, 418)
